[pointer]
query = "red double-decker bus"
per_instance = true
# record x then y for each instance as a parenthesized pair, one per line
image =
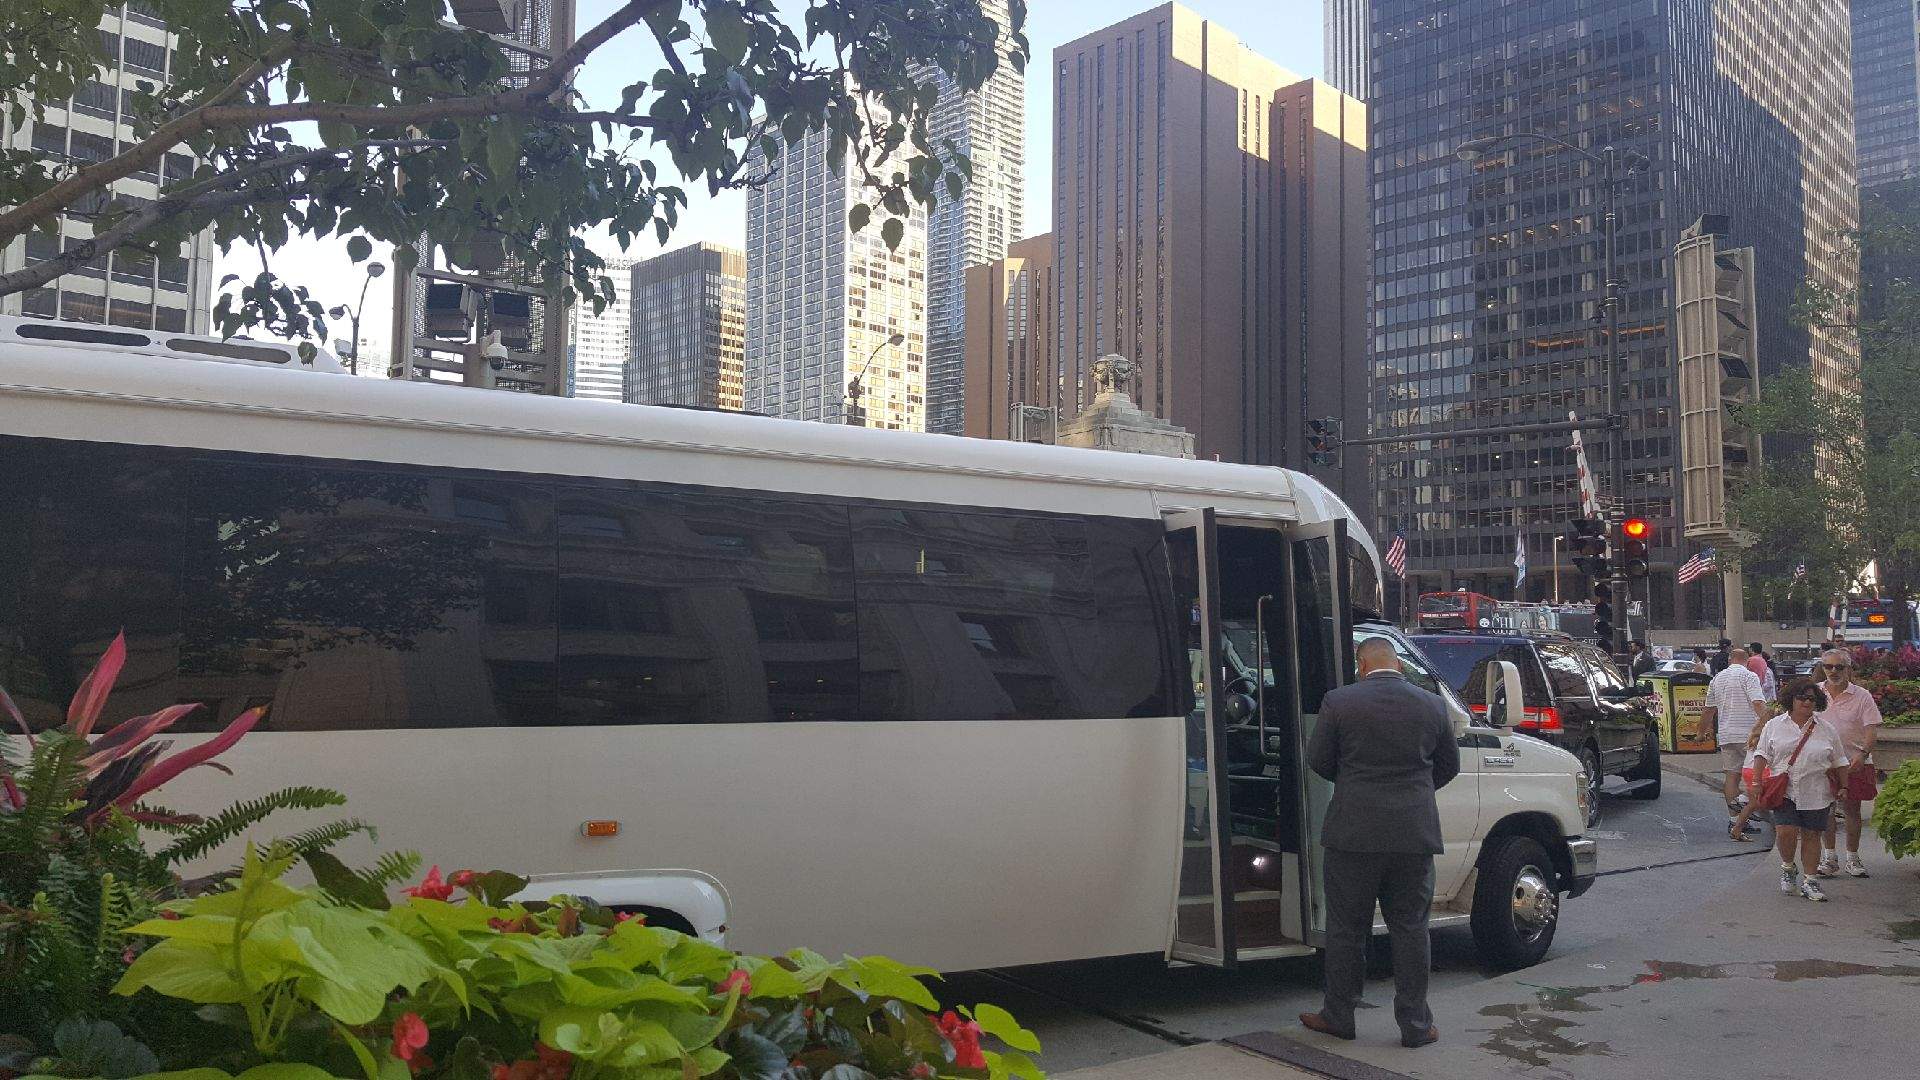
(1460, 610)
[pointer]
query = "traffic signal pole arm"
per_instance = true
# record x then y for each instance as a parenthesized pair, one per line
(1549, 428)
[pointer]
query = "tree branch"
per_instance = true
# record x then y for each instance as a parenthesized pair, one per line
(132, 225)
(146, 152)
(547, 81)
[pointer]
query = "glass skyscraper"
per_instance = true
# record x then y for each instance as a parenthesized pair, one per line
(689, 327)
(989, 126)
(1487, 276)
(1886, 89)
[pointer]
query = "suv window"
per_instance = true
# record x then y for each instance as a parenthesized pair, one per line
(1606, 676)
(1462, 662)
(1566, 672)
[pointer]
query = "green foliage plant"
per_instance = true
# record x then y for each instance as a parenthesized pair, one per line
(1896, 813)
(76, 867)
(307, 986)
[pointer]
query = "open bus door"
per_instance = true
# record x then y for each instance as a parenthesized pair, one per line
(1269, 630)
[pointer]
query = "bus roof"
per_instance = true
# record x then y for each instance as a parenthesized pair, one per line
(60, 390)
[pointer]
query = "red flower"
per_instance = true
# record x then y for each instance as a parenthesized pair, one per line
(462, 879)
(965, 1037)
(500, 1072)
(409, 1037)
(735, 978)
(553, 1061)
(431, 887)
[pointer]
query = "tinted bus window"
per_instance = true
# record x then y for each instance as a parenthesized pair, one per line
(986, 616)
(87, 549)
(682, 608)
(363, 598)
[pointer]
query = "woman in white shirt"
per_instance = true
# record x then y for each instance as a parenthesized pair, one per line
(1812, 778)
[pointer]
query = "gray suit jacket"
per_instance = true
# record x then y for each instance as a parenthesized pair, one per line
(1387, 745)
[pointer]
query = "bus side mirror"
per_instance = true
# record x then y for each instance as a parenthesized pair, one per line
(1506, 701)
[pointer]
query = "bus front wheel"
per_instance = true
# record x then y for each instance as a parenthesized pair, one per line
(1516, 904)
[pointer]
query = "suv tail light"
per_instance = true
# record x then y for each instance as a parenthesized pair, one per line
(1547, 719)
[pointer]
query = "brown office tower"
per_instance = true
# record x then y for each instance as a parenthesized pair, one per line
(1011, 368)
(1210, 224)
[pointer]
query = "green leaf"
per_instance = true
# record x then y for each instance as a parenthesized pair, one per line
(757, 1057)
(359, 248)
(858, 216)
(190, 972)
(286, 1070)
(726, 32)
(892, 232)
(360, 1051)
(343, 884)
(1000, 1024)
(876, 975)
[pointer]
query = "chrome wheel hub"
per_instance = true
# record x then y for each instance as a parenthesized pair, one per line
(1535, 904)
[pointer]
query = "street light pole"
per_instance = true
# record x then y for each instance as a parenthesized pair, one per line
(856, 415)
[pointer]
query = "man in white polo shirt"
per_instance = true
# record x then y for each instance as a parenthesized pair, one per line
(1736, 705)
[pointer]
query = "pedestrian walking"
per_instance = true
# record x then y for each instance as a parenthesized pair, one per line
(1854, 714)
(1808, 750)
(1736, 706)
(1758, 664)
(1723, 656)
(1387, 746)
(1700, 663)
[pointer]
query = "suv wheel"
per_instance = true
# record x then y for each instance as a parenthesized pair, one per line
(1516, 904)
(1590, 764)
(1648, 769)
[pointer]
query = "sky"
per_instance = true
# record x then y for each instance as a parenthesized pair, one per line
(1287, 32)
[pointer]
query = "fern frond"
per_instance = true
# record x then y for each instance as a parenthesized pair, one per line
(392, 868)
(197, 840)
(322, 837)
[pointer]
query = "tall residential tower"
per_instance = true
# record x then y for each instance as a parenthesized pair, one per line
(597, 341)
(824, 303)
(989, 126)
(170, 290)
(689, 328)
(1487, 275)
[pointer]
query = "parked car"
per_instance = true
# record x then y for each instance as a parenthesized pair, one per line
(1675, 667)
(1576, 699)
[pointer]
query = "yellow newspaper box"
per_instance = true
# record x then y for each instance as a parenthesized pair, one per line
(1680, 702)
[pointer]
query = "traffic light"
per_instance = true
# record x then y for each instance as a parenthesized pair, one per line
(1323, 441)
(1636, 537)
(1603, 614)
(1586, 539)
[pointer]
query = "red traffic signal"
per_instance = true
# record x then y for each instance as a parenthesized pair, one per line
(1637, 529)
(1637, 536)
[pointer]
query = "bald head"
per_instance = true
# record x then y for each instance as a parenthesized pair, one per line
(1737, 656)
(1376, 654)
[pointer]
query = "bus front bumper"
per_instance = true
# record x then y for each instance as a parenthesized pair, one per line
(1586, 866)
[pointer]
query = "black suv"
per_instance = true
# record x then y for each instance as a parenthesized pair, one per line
(1576, 698)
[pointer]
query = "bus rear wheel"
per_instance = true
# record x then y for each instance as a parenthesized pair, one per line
(1516, 904)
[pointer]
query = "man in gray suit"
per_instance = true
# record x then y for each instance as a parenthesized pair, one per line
(1387, 746)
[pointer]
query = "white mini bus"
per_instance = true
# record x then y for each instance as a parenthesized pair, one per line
(966, 703)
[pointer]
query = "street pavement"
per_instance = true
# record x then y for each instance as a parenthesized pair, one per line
(1684, 960)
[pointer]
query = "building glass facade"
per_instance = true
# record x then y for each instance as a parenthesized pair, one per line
(823, 301)
(1886, 90)
(1487, 276)
(989, 126)
(689, 328)
(1348, 62)
(170, 291)
(598, 341)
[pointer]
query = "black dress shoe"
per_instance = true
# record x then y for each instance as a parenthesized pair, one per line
(1314, 1021)
(1415, 1042)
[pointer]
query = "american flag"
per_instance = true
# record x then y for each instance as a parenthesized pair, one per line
(1397, 556)
(1698, 566)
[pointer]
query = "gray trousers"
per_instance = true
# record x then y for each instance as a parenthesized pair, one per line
(1403, 886)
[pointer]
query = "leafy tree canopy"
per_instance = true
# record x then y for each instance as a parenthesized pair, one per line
(323, 118)
(1842, 472)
